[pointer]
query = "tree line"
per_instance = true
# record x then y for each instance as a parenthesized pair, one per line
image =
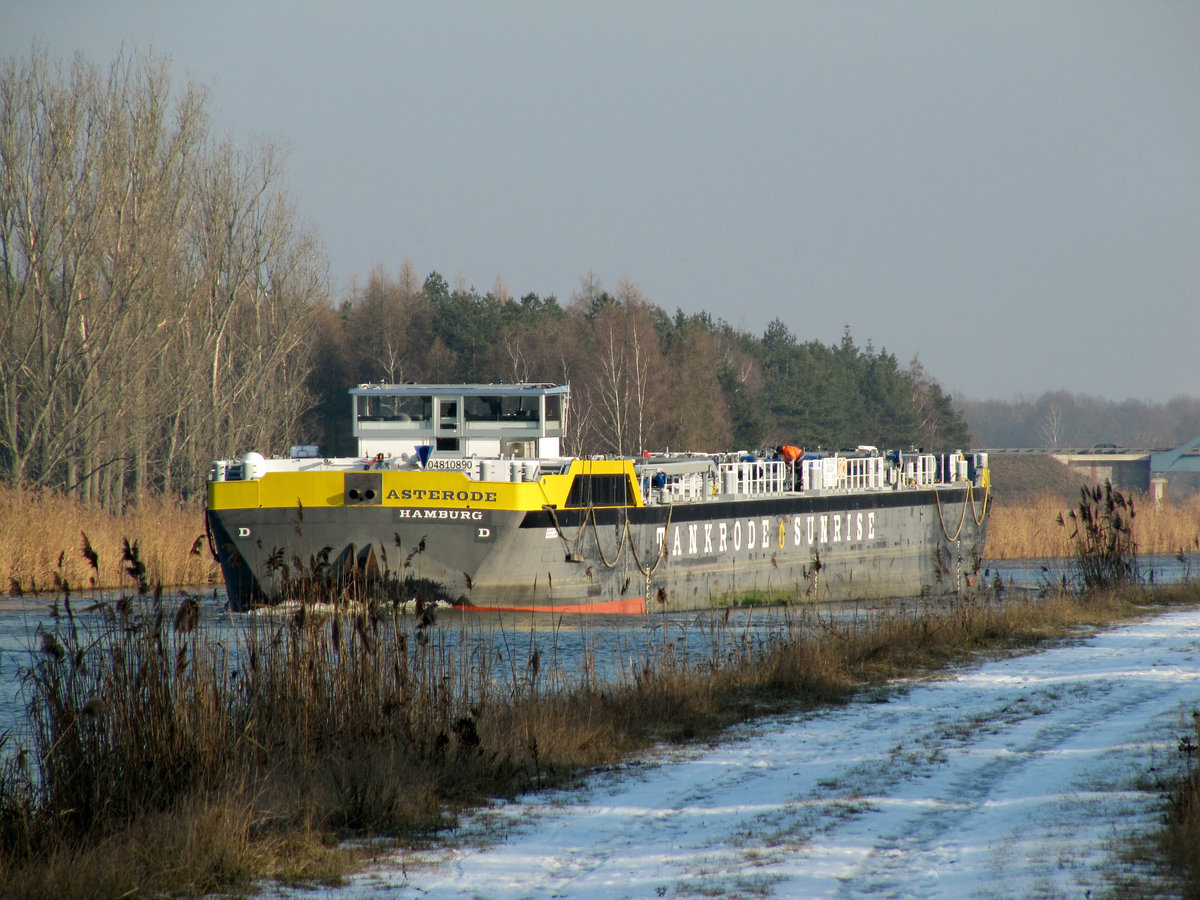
(1058, 420)
(163, 307)
(641, 379)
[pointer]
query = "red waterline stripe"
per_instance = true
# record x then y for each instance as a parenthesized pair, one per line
(631, 607)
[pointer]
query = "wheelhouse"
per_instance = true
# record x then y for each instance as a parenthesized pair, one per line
(456, 420)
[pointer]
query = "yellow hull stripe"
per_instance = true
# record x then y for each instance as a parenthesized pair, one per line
(323, 488)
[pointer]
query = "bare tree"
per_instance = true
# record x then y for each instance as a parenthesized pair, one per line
(514, 350)
(923, 401)
(388, 325)
(697, 416)
(155, 288)
(92, 199)
(626, 379)
(500, 290)
(1052, 426)
(257, 281)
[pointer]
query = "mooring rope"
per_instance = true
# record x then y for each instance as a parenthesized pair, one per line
(626, 536)
(620, 542)
(969, 499)
(937, 495)
(987, 492)
(212, 546)
(662, 547)
(558, 528)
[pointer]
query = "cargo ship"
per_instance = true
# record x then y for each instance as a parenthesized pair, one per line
(461, 494)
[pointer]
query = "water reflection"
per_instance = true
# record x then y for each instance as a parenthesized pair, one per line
(1158, 568)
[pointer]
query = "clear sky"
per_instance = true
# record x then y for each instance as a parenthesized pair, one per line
(1008, 190)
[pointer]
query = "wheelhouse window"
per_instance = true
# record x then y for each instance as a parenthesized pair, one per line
(394, 409)
(501, 408)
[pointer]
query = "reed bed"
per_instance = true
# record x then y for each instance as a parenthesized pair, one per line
(1031, 530)
(41, 533)
(173, 753)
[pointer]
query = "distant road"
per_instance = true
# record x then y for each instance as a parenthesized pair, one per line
(1100, 452)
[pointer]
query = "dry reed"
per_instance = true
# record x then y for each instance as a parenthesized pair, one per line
(1030, 530)
(41, 533)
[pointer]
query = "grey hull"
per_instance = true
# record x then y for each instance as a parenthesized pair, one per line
(689, 556)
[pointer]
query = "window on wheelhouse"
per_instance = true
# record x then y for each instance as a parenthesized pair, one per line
(501, 408)
(400, 411)
(554, 404)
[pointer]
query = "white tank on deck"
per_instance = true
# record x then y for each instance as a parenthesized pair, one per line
(494, 469)
(254, 466)
(524, 469)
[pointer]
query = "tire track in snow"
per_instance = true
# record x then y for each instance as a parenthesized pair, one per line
(910, 857)
(984, 753)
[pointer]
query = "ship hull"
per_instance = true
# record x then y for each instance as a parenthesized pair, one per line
(882, 544)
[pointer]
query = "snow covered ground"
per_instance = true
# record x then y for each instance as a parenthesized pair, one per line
(1022, 777)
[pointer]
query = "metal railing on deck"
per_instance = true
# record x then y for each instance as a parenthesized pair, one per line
(762, 476)
(919, 469)
(685, 488)
(861, 473)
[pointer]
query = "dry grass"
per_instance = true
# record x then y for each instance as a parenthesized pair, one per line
(1180, 838)
(1030, 529)
(41, 534)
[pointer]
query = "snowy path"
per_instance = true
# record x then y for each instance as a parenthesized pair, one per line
(1019, 778)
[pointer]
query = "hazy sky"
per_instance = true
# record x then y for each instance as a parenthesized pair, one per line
(1009, 191)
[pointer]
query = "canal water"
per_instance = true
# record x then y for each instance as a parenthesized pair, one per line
(602, 649)
(1162, 568)
(569, 648)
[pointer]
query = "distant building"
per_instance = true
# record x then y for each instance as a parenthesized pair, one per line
(1171, 474)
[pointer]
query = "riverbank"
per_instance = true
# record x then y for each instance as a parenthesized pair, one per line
(256, 758)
